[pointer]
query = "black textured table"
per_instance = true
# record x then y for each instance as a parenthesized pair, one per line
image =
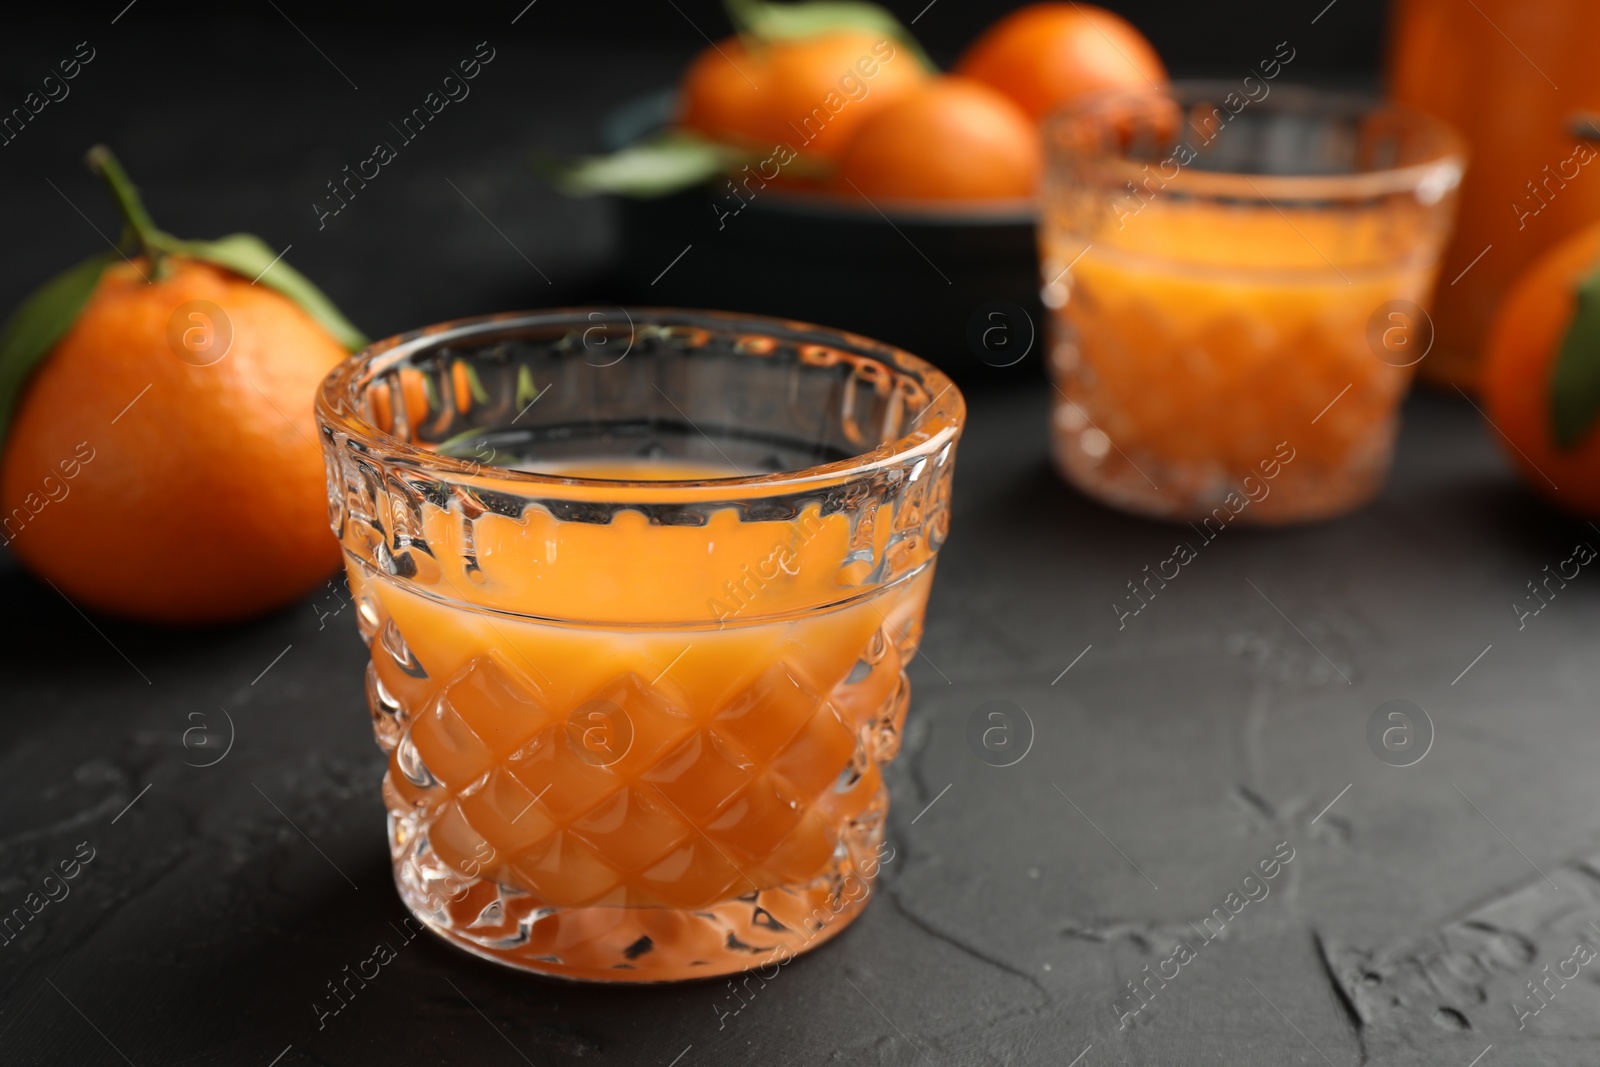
(1202, 811)
(1222, 728)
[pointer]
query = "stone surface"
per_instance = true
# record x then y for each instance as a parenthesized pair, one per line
(1197, 743)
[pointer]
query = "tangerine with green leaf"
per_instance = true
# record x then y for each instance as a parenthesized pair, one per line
(1541, 376)
(160, 455)
(776, 104)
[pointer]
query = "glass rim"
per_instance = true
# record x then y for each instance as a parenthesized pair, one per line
(1445, 162)
(938, 425)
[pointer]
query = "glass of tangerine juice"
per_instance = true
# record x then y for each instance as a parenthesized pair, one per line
(640, 588)
(1235, 274)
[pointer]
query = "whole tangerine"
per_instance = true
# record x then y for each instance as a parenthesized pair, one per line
(1043, 56)
(953, 139)
(811, 94)
(1519, 363)
(162, 461)
(718, 96)
(203, 495)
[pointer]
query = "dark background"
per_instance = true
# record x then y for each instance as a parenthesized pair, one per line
(229, 119)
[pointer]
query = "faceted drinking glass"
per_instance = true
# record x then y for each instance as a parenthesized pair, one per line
(1236, 275)
(640, 588)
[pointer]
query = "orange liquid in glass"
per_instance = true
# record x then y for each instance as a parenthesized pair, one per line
(702, 723)
(1204, 347)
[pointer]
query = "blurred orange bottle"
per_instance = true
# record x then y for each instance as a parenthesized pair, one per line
(1519, 79)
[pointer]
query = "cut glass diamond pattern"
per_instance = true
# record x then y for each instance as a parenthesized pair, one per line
(502, 830)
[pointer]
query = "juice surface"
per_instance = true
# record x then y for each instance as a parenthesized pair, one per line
(634, 470)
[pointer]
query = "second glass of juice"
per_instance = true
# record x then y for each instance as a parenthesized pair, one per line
(1236, 276)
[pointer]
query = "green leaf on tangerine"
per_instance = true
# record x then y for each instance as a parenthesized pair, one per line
(38, 323)
(788, 22)
(242, 253)
(664, 164)
(1575, 382)
(250, 257)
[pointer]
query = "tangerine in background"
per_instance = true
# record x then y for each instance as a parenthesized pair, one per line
(205, 498)
(1046, 55)
(811, 94)
(719, 98)
(1519, 359)
(950, 139)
